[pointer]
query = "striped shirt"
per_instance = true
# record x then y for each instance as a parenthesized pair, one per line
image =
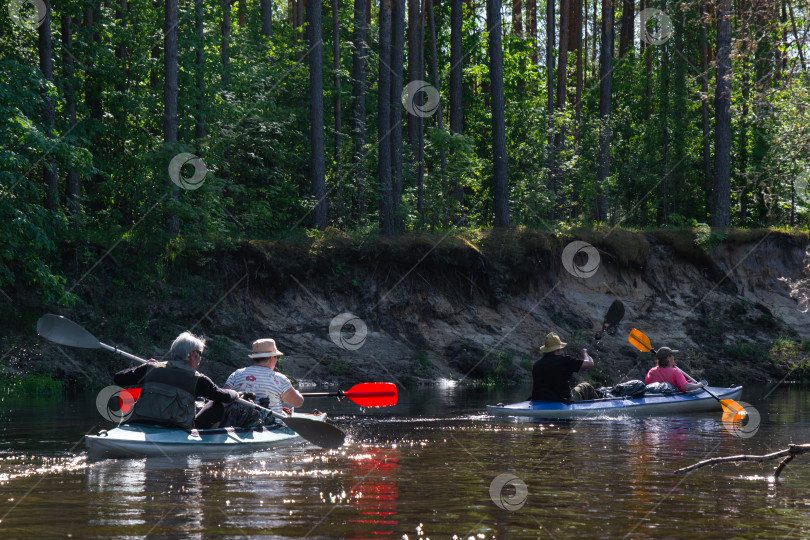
(262, 381)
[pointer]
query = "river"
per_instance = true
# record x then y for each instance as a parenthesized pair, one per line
(434, 466)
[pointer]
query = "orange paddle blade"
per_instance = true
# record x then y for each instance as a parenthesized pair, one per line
(640, 341)
(373, 394)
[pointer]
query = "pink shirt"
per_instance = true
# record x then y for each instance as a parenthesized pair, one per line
(666, 374)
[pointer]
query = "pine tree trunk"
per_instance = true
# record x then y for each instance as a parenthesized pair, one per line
(517, 18)
(121, 51)
(415, 73)
(456, 91)
(384, 121)
(397, 64)
(721, 195)
(359, 105)
(605, 76)
(266, 7)
(562, 95)
(74, 190)
(317, 164)
(531, 29)
(50, 175)
(627, 30)
(338, 106)
(199, 70)
(170, 94)
(437, 83)
(575, 45)
(225, 57)
(704, 106)
(500, 177)
(743, 131)
(551, 43)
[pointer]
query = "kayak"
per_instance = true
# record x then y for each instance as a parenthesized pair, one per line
(143, 440)
(650, 405)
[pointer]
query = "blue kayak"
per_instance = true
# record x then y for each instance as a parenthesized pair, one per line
(649, 405)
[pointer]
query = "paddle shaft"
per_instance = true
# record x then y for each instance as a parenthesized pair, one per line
(341, 393)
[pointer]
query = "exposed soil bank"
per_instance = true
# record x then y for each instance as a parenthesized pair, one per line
(467, 308)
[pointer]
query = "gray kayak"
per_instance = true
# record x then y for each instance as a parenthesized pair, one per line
(142, 440)
(649, 405)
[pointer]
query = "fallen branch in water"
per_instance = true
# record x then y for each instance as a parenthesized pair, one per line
(792, 451)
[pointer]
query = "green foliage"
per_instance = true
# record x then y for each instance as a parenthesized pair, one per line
(255, 145)
(35, 385)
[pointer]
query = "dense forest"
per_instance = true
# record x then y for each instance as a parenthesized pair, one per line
(167, 126)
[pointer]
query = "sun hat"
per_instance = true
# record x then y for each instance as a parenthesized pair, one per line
(263, 348)
(553, 343)
(663, 352)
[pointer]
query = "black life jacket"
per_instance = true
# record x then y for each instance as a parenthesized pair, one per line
(167, 397)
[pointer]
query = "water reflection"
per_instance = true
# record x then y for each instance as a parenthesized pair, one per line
(375, 493)
(151, 495)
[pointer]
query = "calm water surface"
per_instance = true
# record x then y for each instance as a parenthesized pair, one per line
(423, 469)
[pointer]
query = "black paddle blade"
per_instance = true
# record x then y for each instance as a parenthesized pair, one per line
(65, 332)
(315, 431)
(615, 313)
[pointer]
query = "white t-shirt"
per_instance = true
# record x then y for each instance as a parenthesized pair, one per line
(262, 381)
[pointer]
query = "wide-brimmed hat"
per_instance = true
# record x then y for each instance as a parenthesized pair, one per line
(553, 343)
(663, 352)
(264, 348)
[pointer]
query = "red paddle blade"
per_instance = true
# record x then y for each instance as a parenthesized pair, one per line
(373, 394)
(640, 341)
(127, 398)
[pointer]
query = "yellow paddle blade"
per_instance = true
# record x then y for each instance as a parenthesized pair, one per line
(732, 410)
(638, 340)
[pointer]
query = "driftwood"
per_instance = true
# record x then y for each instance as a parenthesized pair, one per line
(792, 451)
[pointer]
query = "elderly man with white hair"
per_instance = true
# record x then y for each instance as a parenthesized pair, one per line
(169, 391)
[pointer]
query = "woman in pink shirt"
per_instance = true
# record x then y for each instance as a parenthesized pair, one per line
(667, 372)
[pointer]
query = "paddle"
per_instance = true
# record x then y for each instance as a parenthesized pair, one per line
(380, 394)
(640, 341)
(66, 332)
(614, 315)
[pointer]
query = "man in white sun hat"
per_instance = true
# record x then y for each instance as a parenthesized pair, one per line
(263, 380)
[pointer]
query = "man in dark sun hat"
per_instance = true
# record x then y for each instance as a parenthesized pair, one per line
(552, 373)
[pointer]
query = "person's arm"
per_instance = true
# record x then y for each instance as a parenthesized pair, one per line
(131, 376)
(680, 382)
(587, 361)
(207, 389)
(692, 384)
(292, 397)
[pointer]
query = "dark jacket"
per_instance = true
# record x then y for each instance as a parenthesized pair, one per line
(552, 376)
(169, 393)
